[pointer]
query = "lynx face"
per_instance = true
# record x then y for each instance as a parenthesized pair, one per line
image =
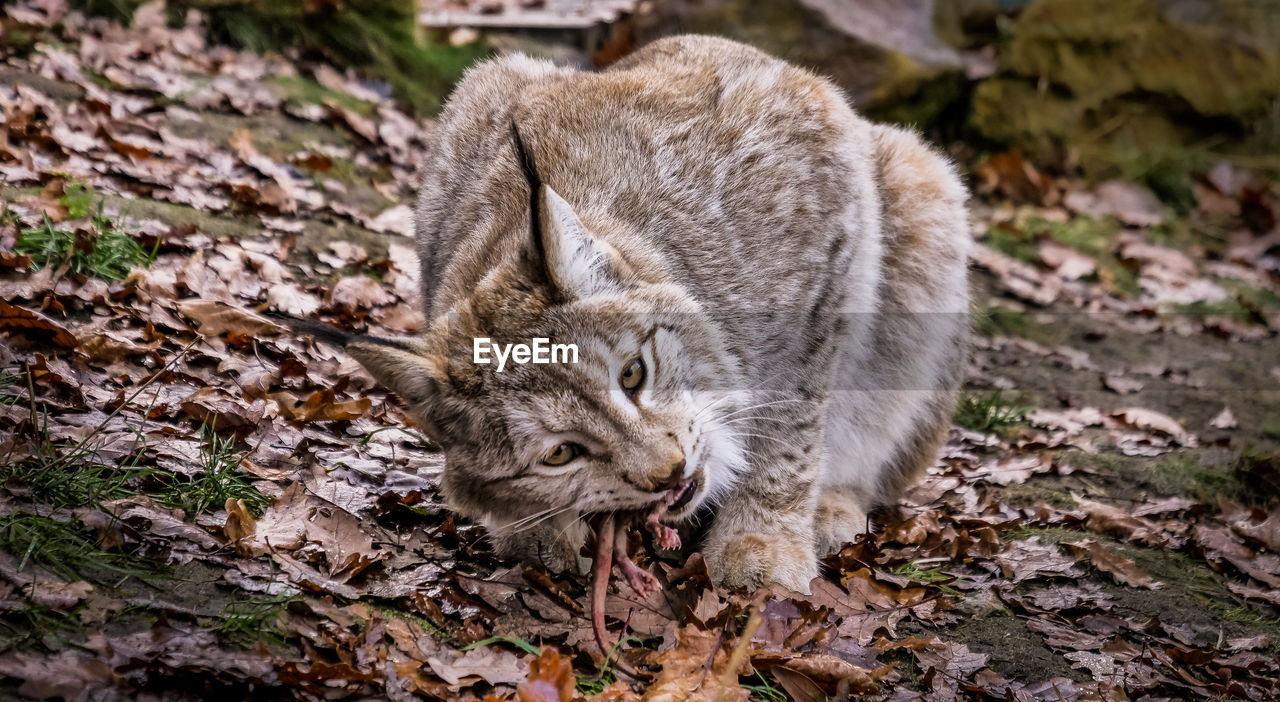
(631, 424)
(644, 416)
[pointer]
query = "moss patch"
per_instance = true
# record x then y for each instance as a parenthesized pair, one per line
(274, 134)
(306, 91)
(1193, 595)
(1147, 90)
(998, 320)
(1248, 477)
(1095, 238)
(1012, 241)
(1013, 650)
(1033, 491)
(923, 89)
(1047, 535)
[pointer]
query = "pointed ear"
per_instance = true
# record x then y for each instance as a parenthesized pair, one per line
(560, 251)
(577, 264)
(398, 366)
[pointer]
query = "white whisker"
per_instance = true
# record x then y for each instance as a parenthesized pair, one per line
(753, 419)
(760, 436)
(762, 404)
(536, 522)
(536, 518)
(735, 394)
(570, 525)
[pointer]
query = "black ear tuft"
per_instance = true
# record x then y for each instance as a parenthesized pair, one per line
(530, 169)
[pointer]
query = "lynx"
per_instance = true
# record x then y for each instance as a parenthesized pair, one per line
(767, 293)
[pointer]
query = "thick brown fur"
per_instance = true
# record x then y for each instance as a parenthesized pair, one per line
(792, 277)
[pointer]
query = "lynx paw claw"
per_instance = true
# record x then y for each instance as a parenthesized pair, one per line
(665, 536)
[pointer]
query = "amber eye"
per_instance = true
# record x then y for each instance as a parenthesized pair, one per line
(632, 377)
(562, 454)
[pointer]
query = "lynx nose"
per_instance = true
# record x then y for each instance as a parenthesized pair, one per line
(671, 478)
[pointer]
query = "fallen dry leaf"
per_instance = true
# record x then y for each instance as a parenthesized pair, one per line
(217, 318)
(321, 406)
(33, 327)
(550, 679)
(1125, 571)
(1150, 420)
(686, 674)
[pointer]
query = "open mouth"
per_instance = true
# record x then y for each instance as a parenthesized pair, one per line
(611, 548)
(679, 497)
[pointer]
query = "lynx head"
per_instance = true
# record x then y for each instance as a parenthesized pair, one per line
(642, 417)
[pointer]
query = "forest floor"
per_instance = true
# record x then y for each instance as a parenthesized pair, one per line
(196, 502)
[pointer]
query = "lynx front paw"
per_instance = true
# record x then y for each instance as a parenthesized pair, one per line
(841, 519)
(748, 561)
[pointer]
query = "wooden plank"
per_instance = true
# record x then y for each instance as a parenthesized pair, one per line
(552, 14)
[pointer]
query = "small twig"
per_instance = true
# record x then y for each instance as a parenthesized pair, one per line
(729, 675)
(139, 434)
(101, 425)
(31, 396)
(711, 659)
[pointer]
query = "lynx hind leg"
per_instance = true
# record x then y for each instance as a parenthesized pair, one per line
(842, 517)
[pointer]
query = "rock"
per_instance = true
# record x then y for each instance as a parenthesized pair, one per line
(883, 53)
(1130, 87)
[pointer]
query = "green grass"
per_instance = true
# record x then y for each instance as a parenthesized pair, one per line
(66, 551)
(1249, 617)
(1210, 232)
(221, 480)
(998, 320)
(103, 250)
(73, 477)
(1095, 238)
(513, 640)
(931, 577)
(1013, 241)
(605, 676)
(8, 382)
(1247, 304)
(1253, 477)
(245, 622)
(434, 629)
(38, 627)
(764, 690)
(989, 412)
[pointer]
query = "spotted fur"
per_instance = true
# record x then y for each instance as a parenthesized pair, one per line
(792, 276)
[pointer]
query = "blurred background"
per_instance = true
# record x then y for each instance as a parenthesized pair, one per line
(1148, 90)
